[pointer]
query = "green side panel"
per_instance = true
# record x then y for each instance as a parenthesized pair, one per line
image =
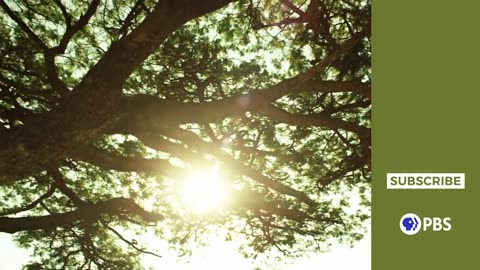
(426, 118)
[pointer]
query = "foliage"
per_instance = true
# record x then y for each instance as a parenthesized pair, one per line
(109, 106)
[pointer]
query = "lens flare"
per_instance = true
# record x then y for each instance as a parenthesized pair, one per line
(204, 191)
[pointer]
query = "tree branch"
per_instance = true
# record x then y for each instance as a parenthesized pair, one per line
(62, 186)
(109, 161)
(160, 144)
(23, 89)
(334, 55)
(130, 243)
(49, 58)
(31, 205)
(33, 37)
(168, 112)
(66, 16)
(88, 212)
(71, 30)
(319, 119)
(101, 88)
(196, 143)
(52, 74)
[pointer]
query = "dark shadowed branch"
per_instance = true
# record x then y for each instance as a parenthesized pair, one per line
(31, 205)
(88, 212)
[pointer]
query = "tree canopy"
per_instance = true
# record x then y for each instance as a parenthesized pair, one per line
(109, 108)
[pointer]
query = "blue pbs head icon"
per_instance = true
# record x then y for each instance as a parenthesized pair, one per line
(410, 224)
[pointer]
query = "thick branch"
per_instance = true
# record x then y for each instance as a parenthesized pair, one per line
(319, 119)
(171, 112)
(131, 50)
(31, 205)
(109, 161)
(144, 107)
(52, 74)
(178, 150)
(33, 37)
(27, 150)
(292, 7)
(89, 212)
(62, 186)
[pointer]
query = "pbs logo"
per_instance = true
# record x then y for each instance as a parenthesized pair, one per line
(411, 224)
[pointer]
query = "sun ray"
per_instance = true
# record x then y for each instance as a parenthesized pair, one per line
(204, 191)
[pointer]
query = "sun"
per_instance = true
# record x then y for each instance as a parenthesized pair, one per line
(204, 191)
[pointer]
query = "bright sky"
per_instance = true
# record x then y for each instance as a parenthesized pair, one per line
(221, 255)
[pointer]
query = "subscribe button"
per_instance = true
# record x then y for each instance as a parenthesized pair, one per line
(425, 181)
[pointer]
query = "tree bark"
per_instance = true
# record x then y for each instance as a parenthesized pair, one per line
(89, 212)
(93, 105)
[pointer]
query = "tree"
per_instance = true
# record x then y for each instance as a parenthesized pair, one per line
(106, 107)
